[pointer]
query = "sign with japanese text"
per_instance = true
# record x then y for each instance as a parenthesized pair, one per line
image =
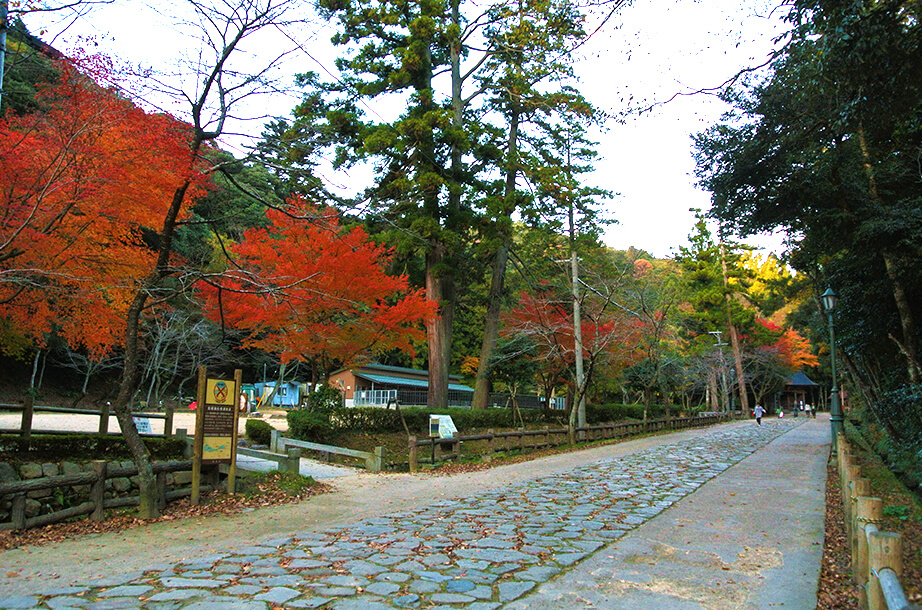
(219, 418)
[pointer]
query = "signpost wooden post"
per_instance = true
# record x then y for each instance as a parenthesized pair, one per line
(216, 418)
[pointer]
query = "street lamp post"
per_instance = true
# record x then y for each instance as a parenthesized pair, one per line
(829, 299)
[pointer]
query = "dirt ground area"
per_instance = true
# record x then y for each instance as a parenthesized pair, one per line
(182, 419)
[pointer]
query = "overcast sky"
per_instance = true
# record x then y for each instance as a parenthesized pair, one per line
(653, 50)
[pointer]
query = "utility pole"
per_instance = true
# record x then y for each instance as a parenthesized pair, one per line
(723, 373)
(578, 342)
(577, 322)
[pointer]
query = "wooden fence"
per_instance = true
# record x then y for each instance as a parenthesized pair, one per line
(29, 409)
(876, 557)
(374, 461)
(546, 437)
(290, 461)
(97, 502)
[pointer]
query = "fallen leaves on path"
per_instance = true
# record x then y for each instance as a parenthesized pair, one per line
(269, 492)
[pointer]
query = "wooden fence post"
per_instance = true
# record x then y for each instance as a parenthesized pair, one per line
(861, 488)
(885, 550)
(852, 474)
(376, 462)
(293, 463)
(183, 435)
(490, 442)
(25, 427)
(414, 455)
(168, 422)
(547, 436)
(456, 447)
(104, 418)
(98, 490)
(18, 512)
(869, 512)
(274, 436)
(161, 490)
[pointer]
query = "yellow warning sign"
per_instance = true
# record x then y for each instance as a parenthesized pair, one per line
(221, 392)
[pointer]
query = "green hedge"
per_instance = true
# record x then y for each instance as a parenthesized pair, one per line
(316, 427)
(86, 447)
(258, 431)
(309, 426)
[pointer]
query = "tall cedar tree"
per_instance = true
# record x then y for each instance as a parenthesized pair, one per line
(531, 44)
(717, 284)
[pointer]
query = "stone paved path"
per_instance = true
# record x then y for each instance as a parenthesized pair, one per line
(479, 552)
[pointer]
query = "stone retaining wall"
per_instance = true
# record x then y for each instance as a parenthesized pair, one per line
(46, 501)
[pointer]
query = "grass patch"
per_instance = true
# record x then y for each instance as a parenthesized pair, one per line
(283, 483)
(902, 511)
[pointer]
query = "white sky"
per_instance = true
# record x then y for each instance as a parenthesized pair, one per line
(653, 50)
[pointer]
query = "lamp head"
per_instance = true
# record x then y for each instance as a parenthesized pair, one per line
(829, 299)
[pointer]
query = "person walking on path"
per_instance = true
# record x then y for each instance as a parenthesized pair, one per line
(759, 412)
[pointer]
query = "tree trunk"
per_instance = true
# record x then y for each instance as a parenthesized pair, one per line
(713, 392)
(500, 260)
(908, 345)
(738, 362)
(440, 289)
(149, 507)
(490, 328)
(734, 335)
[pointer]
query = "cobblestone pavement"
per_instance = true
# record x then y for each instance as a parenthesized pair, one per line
(478, 552)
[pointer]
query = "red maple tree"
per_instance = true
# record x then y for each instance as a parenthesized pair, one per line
(610, 337)
(82, 178)
(305, 288)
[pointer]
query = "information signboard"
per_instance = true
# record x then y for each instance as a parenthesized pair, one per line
(143, 425)
(441, 426)
(218, 421)
(215, 429)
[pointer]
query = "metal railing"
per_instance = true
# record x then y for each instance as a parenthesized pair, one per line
(456, 398)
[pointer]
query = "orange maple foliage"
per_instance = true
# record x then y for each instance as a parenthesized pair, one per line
(81, 178)
(795, 350)
(305, 288)
(790, 347)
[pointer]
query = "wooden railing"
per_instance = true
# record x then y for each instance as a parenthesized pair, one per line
(28, 410)
(290, 461)
(97, 503)
(546, 437)
(876, 556)
(374, 461)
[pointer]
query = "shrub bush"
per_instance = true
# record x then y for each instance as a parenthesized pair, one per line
(312, 426)
(309, 426)
(258, 431)
(87, 447)
(324, 399)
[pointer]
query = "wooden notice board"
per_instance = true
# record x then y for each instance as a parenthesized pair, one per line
(215, 428)
(219, 420)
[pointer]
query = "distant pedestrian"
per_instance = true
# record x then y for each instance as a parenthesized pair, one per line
(759, 412)
(807, 410)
